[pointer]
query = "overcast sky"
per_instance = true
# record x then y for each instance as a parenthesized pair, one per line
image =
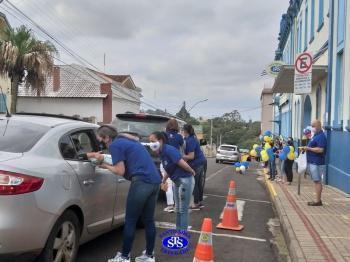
(175, 50)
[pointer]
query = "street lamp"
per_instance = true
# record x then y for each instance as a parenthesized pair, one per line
(201, 101)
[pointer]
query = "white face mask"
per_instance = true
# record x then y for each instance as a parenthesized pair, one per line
(313, 130)
(154, 146)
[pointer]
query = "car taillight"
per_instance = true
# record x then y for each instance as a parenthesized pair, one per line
(15, 184)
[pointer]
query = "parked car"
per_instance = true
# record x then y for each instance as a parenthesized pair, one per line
(52, 200)
(228, 153)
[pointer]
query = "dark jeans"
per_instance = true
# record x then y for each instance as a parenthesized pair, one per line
(198, 190)
(141, 201)
(272, 167)
(288, 169)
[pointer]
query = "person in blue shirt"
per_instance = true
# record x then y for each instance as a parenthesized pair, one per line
(132, 161)
(179, 172)
(316, 159)
(196, 159)
(174, 138)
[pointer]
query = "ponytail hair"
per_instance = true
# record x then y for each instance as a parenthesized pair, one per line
(161, 136)
(189, 129)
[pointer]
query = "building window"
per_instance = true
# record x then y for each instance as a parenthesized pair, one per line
(318, 101)
(312, 25)
(338, 91)
(299, 31)
(306, 28)
(341, 24)
(320, 14)
(2, 103)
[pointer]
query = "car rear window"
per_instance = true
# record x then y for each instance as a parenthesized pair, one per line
(141, 126)
(19, 136)
(228, 148)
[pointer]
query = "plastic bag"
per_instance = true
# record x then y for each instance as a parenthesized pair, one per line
(302, 163)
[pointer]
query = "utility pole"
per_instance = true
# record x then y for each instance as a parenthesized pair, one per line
(220, 138)
(211, 135)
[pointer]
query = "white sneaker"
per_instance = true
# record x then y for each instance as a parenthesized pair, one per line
(169, 209)
(144, 258)
(119, 258)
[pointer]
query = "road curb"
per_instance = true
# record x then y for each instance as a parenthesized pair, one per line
(294, 249)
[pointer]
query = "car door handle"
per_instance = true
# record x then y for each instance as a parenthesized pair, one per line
(88, 182)
(121, 180)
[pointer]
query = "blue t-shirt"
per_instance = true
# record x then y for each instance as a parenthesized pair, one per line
(192, 145)
(318, 140)
(137, 160)
(175, 139)
(170, 156)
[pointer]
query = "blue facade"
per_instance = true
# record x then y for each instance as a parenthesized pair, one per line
(338, 164)
(336, 124)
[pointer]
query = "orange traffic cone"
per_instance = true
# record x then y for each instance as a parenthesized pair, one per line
(204, 250)
(230, 216)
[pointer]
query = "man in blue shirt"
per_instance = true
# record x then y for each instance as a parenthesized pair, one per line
(131, 160)
(316, 154)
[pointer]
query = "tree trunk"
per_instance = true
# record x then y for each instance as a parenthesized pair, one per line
(14, 93)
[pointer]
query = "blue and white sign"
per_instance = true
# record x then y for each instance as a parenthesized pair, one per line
(175, 242)
(274, 68)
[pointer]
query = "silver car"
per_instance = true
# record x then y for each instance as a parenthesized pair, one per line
(51, 199)
(227, 153)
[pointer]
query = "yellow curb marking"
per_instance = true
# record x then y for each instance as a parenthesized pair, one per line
(270, 186)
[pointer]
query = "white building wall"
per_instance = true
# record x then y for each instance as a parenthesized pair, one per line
(120, 106)
(320, 38)
(84, 107)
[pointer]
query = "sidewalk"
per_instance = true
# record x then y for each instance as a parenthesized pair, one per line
(313, 233)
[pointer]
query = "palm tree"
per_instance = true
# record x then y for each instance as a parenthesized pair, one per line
(25, 60)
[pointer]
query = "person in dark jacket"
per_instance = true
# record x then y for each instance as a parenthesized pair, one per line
(288, 164)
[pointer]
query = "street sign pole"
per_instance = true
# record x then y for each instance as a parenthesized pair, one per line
(302, 86)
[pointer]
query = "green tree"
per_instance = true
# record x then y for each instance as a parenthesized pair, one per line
(25, 60)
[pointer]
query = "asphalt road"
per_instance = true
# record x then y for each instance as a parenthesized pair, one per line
(251, 244)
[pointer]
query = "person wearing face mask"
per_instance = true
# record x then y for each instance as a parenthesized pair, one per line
(132, 161)
(288, 164)
(316, 155)
(179, 172)
(196, 159)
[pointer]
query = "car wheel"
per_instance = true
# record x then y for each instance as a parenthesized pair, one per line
(63, 242)
(217, 161)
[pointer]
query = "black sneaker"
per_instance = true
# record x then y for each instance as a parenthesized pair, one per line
(315, 204)
(201, 205)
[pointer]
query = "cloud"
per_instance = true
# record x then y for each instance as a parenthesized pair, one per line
(179, 50)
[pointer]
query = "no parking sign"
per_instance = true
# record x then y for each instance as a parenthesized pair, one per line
(303, 74)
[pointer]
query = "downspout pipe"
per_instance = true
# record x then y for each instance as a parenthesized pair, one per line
(327, 126)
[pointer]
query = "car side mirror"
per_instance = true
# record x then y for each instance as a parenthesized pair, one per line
(203, 142)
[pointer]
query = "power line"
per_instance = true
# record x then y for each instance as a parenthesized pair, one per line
(67, 49)
(16, 12)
